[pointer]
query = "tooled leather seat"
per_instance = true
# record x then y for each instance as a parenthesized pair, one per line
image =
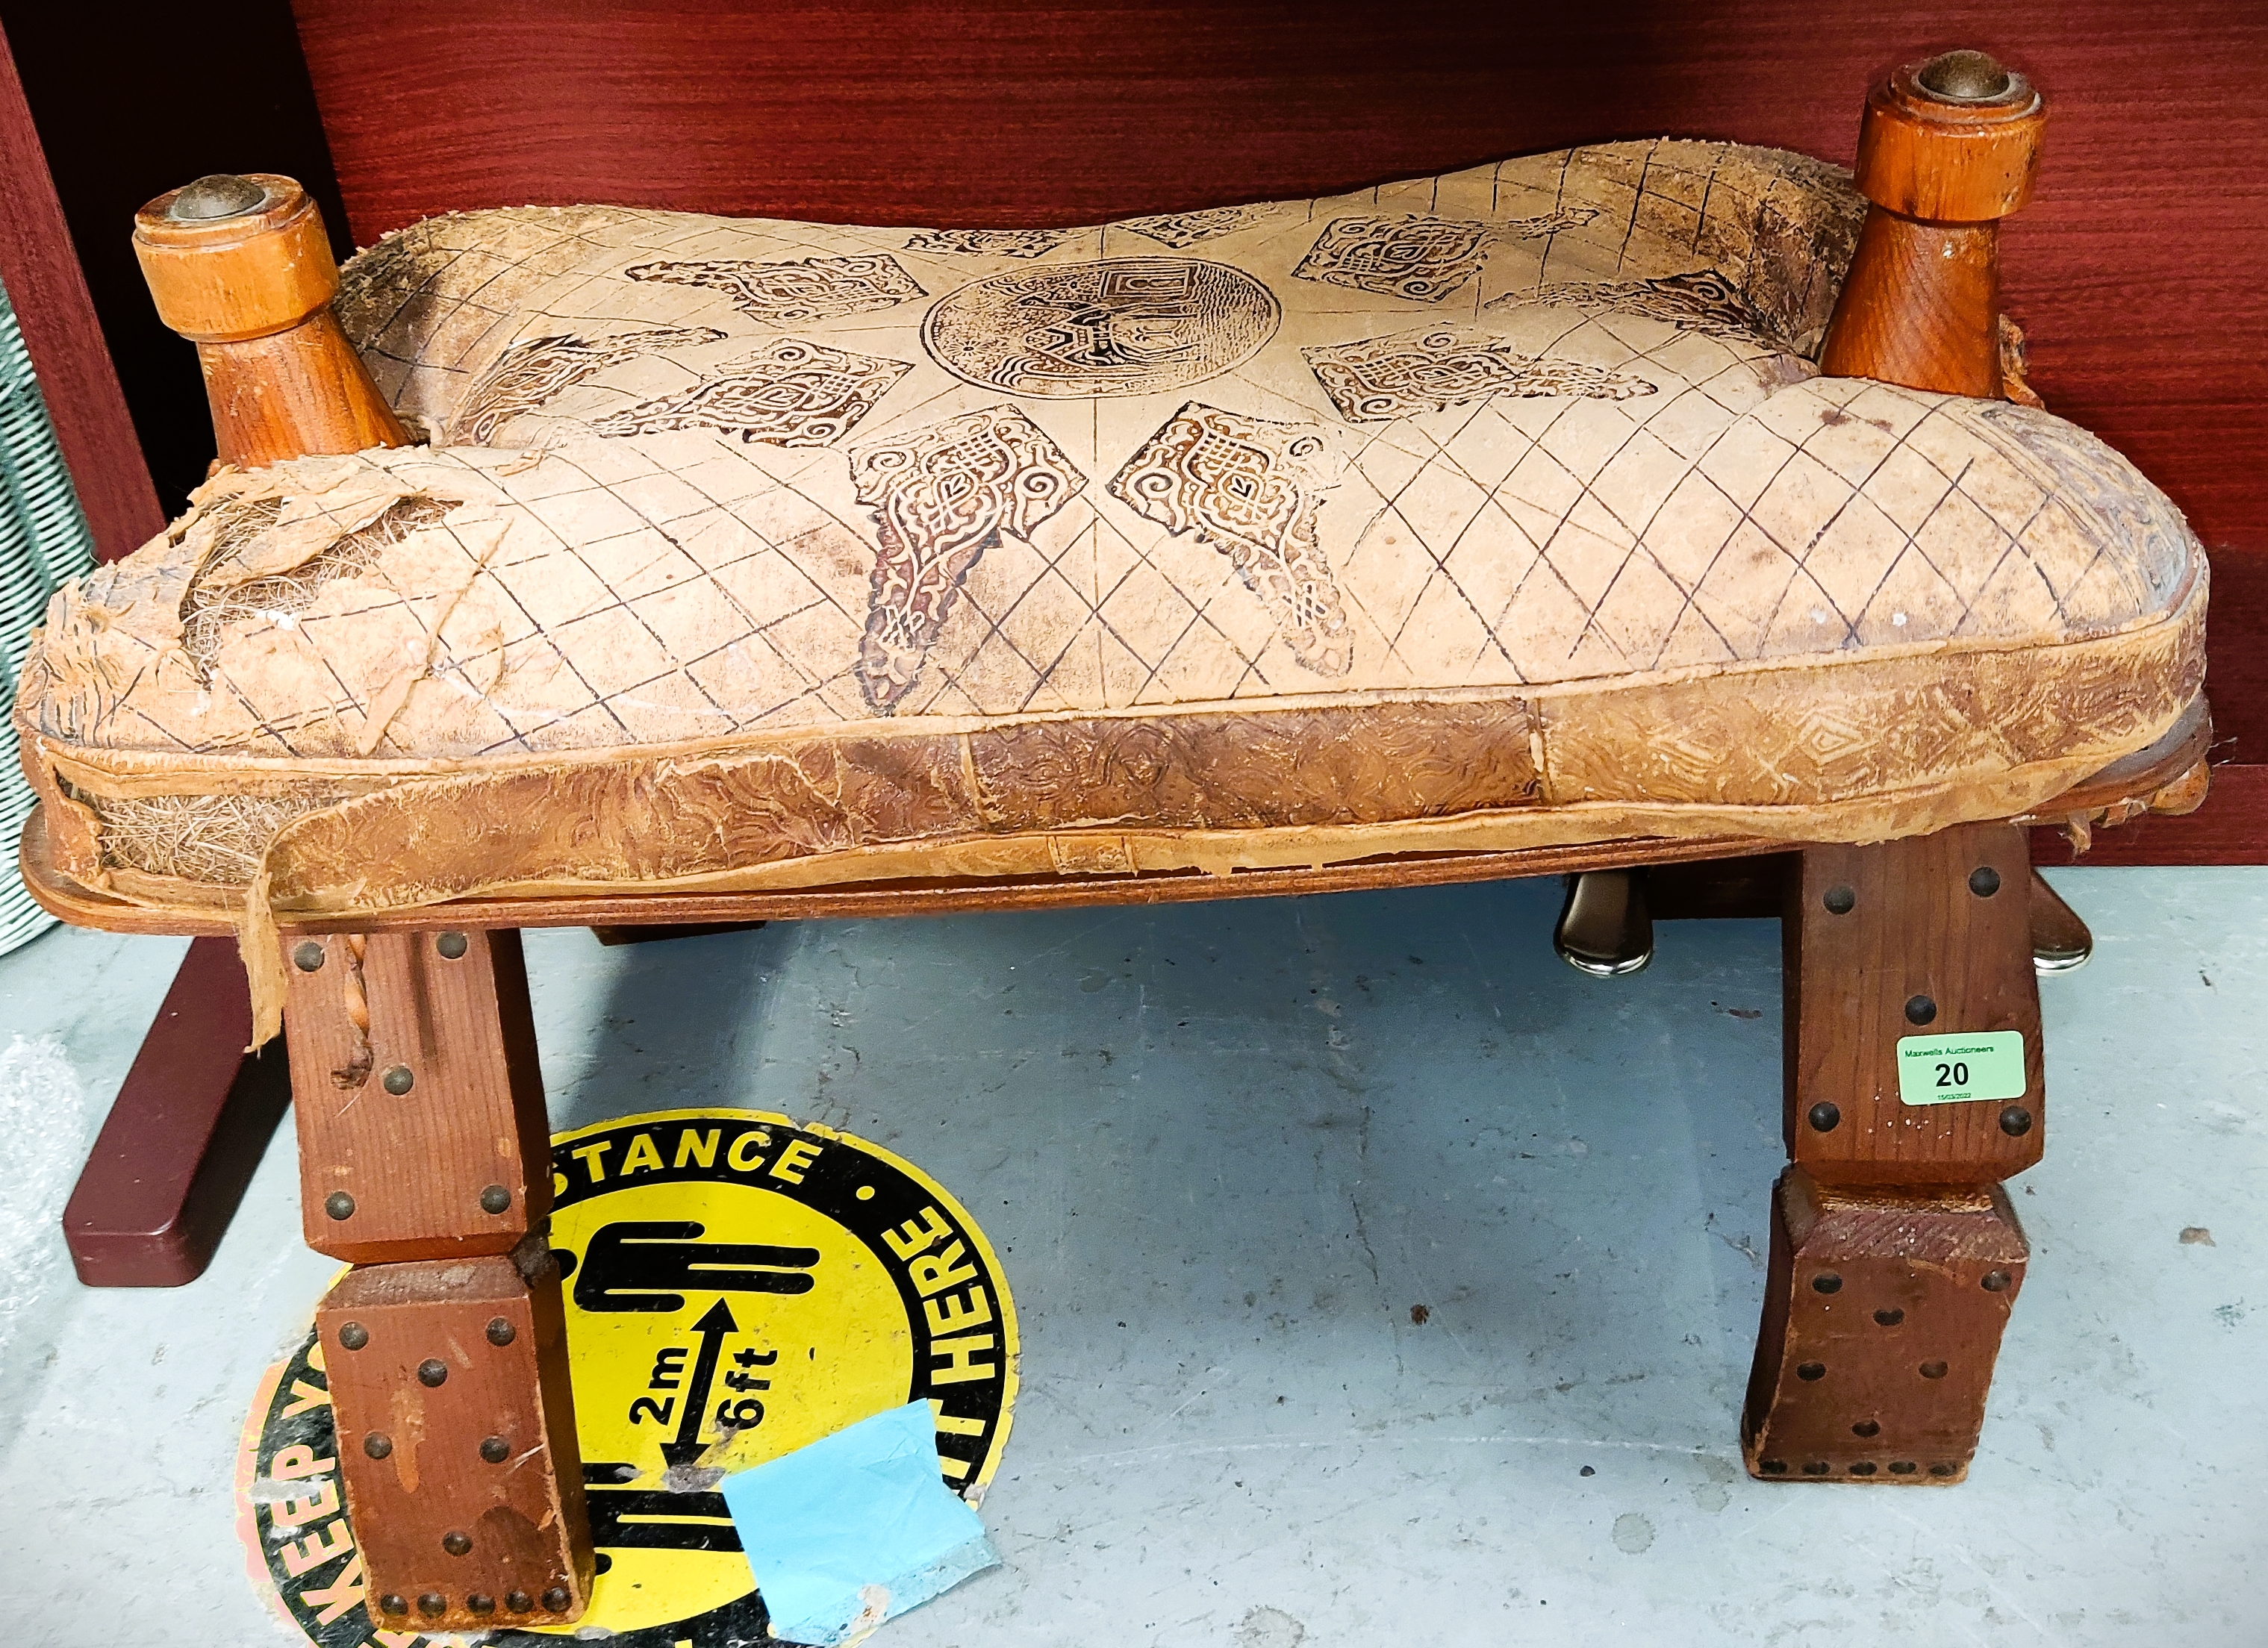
(1494, 510)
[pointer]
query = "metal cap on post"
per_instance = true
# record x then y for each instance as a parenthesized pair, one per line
(232, 258)
(241, 266)
(1956, 139)
(1947, 148)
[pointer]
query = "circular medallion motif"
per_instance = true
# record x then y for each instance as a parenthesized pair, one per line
(1120, 326)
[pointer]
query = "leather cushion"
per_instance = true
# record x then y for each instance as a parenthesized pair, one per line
(746, 548)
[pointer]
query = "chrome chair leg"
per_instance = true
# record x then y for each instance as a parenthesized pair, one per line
(2060, 940)
(1605, 929)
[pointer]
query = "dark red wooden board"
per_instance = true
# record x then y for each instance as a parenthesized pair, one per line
(184, 1135)
(48, 292)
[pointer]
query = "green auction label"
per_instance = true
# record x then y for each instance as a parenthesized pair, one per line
(1956, 1068)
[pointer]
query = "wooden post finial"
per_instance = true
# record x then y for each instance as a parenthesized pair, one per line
(1947, 148)
(241, 266)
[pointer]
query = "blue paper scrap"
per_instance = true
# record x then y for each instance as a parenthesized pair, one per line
(855, 1529)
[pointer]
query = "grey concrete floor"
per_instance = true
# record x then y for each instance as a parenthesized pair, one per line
(1222, 1149)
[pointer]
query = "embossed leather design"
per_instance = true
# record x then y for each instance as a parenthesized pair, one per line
(1509, 490)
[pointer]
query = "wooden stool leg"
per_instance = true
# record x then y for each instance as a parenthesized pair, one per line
(1895, 1253)
(1883, 1316)
(424, 1161)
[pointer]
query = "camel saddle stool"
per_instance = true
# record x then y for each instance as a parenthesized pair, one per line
(1647, 503)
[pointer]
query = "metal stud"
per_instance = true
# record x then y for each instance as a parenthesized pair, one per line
(307, 956)
(1964, 77)
(1985, 881)
(500, 1331)
(494, 1449)
(496, 1199)
(390, 1603)
(1774, 1467)
(1811, 1370)
(1827, 1282)
(339, 1206)
(1815, 1467)
(2015, 1121)
(220, 194)
(378, 1445)
(1901, 1467)
(1996, 1281)
(457, 1542)
(1867, 1428)
(518, 1601)
(399, 1080)
(1889, 1318)
(556, 1598)
(1920, 1010)
(452, 946)
(432, 1602)
(353, 1336)
(432, 1371)
(1932, 1370)
(1863, 1468)
(1840, 900)
(1824, 1117)
(480, 1602)
(1943, 1469)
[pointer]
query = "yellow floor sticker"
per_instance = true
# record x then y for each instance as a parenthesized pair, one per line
(736, 1286)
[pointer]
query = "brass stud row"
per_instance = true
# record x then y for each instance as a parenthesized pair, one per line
(493, 1449)
(433, 1604)
(1811, 1371)
(1984, 881)
(308, 955)
(495, 1199)
(500, 1332)
(1858, 1468)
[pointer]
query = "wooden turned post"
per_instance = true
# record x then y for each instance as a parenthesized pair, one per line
(1895, 1255)
(424, 1161)
(1946, 149)
(425, 1151)
(241, 266)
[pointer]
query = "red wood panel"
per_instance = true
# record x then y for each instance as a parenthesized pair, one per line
(49, 290)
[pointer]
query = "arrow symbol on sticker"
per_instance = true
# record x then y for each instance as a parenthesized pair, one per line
(686, 1447)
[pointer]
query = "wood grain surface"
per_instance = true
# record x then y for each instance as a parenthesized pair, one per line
(418, 1095)
(2133, 270)
(419, 1455)
(49, 292)
(1940, 921)
(1882, 1318)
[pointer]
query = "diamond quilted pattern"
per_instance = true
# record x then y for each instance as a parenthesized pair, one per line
(1540, 442)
